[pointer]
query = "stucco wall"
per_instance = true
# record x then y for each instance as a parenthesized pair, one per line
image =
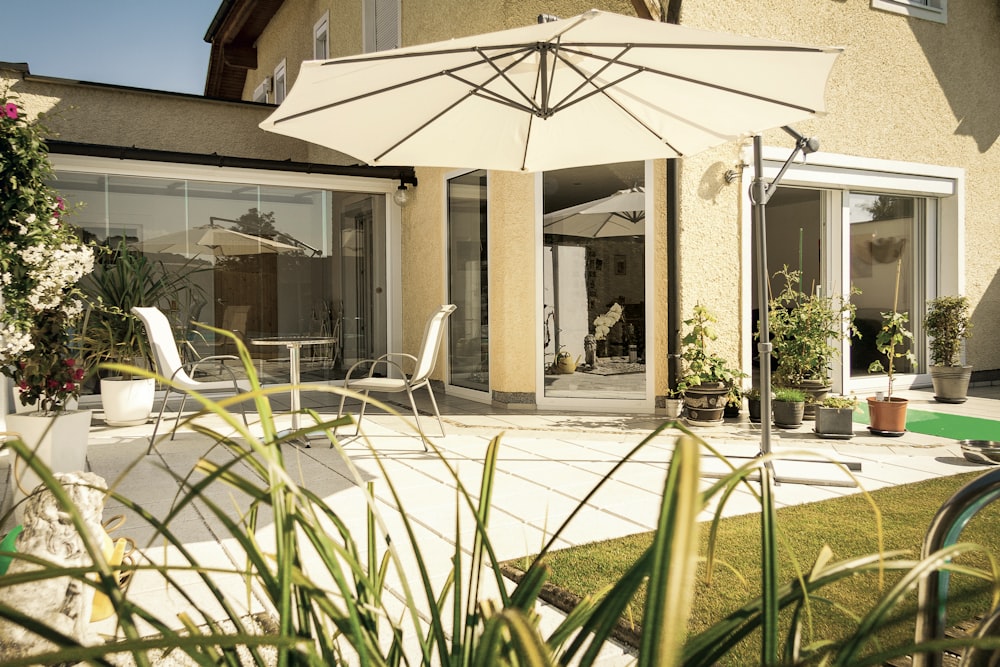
(145, 119)
(904, 89)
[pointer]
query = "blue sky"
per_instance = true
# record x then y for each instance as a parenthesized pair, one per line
(141, 43)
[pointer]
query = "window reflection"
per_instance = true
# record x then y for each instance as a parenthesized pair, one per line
(278, 260)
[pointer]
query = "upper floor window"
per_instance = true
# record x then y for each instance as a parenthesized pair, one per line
(261, 91)
(279, 83)
(381, 25)
(321, 38)
(930, 10)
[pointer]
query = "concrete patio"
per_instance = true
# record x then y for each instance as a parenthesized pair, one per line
(548, 463)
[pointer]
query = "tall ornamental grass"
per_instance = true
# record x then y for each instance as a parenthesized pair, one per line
(334, 607)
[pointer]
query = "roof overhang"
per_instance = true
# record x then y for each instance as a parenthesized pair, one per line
(233, 35)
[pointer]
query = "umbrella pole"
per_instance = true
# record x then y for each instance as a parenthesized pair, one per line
(760, 193)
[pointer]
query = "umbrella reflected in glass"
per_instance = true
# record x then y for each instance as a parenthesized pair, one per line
(213, 240)
(621, 214)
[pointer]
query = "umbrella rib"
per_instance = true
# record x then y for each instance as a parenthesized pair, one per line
(705, 84)
(411, 82)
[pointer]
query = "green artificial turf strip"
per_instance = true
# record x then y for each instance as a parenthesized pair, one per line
(847, 524)
(956, 427)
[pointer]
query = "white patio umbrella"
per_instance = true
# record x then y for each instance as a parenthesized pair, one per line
(597, 88)
(621, 214)
(217, 241)
(593, 89)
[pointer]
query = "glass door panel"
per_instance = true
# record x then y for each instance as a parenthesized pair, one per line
(468, 287)
(884, 251)
(594, 290)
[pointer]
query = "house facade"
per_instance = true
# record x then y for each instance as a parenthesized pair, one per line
(904, 182)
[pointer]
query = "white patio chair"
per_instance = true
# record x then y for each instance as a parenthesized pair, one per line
(423, 366)
(169, 365)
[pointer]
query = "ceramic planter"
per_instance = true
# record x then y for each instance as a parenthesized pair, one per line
(705, 403)
(673, 407)
(127, 402)
(834, 422)
(753, 407)
(951, 383)
(787, 414)
(59, 440)
(816, 391)
(887, 417)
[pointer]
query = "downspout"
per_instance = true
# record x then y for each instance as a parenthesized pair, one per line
(670, 12)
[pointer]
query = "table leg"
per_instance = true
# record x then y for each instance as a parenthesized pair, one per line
(294, 378)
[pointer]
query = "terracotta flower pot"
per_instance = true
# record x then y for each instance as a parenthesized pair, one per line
(887, 417)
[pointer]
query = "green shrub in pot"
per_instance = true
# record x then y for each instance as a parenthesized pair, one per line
(947, 325)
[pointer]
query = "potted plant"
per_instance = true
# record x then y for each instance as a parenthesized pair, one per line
(947, 325)
(41, 264)
(753, 404)
(834, 417)
(673, 403)
(788, 406)
(707, 379)
(123, 279)
(734, 402)
(893, 341)
(804, 327)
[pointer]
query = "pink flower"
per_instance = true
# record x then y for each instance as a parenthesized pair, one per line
(69, 386)
(78, 374)
(10, 110)
(70, 362)
(53, 384)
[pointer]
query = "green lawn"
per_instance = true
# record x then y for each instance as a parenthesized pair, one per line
(847, 525)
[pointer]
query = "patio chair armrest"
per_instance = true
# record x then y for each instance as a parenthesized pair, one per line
(385, 360)
(217, 358)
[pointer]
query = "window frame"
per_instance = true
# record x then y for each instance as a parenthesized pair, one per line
(279, 82)
(928, 10)
(322, 28)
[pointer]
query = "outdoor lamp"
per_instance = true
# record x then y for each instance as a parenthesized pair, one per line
(401, 196)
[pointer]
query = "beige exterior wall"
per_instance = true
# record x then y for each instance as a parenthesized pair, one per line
(904, 90)
(146, 119)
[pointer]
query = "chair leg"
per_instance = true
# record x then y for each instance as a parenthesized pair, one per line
(156, 426)
(361, 415)
(416, 416)
(180, 411)
(437, 413)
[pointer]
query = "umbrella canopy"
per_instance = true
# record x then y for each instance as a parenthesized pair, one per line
(592, 89)
(218, 241)
(621, 214)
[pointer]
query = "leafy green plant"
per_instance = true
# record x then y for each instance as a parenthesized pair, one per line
(123, 279)
(947, 324)
(894, 340)
(804, 327)
(700, 365)
(335, 608)
(752, 394)
(789, 395)
(840, 402)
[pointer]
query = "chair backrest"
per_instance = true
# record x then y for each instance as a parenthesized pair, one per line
(162, 342)
(433, 335)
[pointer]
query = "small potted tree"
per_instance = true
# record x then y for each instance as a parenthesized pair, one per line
(947, 325)
(894, 341)
(123, 279)
(804, 327)
(788, 406)
(707, 379)
(834, 417)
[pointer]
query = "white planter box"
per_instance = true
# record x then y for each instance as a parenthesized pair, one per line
(60, 441)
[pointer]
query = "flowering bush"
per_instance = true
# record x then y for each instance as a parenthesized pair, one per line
(41, 261)
(603, 323)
